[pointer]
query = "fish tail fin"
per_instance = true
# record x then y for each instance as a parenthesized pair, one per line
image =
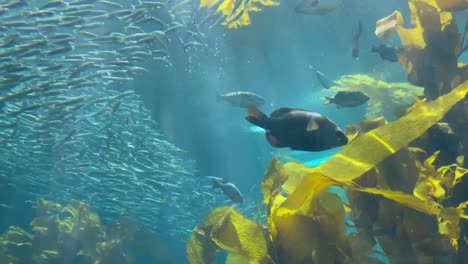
(215, 184)
(329, 100)
(256, 116)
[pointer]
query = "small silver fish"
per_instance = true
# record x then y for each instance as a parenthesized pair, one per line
(241, 99)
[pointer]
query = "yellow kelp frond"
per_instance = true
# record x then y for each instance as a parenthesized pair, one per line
(272, 180)
(236, 12)
(427, 207)
(295, 173)
(381, 142)
(437, 184)
(431, 48)
(384, 97)
(313, 236)
(200, 248)
(388, 139)
(239, 235)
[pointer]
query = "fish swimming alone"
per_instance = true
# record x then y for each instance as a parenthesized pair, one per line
(386, 52)
(348, 99)
(315, 8)
(321, 77)
(298, 129)
(241, 99)
(228, 188)
(355, 43)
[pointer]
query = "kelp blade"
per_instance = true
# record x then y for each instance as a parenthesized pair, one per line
(241, 236)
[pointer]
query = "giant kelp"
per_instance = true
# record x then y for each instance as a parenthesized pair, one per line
(306, 224)
(74, 234)
(384, 97)
(431, 48)
(236, 12)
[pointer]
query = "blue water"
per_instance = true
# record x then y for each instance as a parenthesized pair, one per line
(201, 136)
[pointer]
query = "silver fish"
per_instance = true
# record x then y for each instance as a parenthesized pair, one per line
(241, 99)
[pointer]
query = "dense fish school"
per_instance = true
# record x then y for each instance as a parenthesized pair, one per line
(68, 128)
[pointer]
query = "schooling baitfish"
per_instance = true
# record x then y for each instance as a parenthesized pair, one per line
(298, 129)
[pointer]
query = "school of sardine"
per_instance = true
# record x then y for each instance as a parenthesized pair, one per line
(67, 127)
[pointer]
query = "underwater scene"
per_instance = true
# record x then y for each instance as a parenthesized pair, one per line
(233, 131)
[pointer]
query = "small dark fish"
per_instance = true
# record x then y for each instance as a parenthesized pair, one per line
(229, 189)
(306, 5)
(241, 99)
(321, 77)
(386, 52)
(348, 99)
(356, 36)
(298, 129)
(315, 8)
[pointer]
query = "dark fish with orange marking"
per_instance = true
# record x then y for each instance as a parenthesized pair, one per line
(298, 129)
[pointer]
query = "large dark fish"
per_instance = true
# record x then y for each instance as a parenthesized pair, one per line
(229, 189)
(386, 52)
(321, 77)
(355, 44)
(348, 99)
(241, 99)
(298, 129)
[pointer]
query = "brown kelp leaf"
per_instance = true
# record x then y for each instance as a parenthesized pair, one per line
(369, 124)
(385, 26)
(351, 132)
(200, 248)
(316, 235)
(430, 48)
(449, 225)
(233, 258)
(239, 235)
